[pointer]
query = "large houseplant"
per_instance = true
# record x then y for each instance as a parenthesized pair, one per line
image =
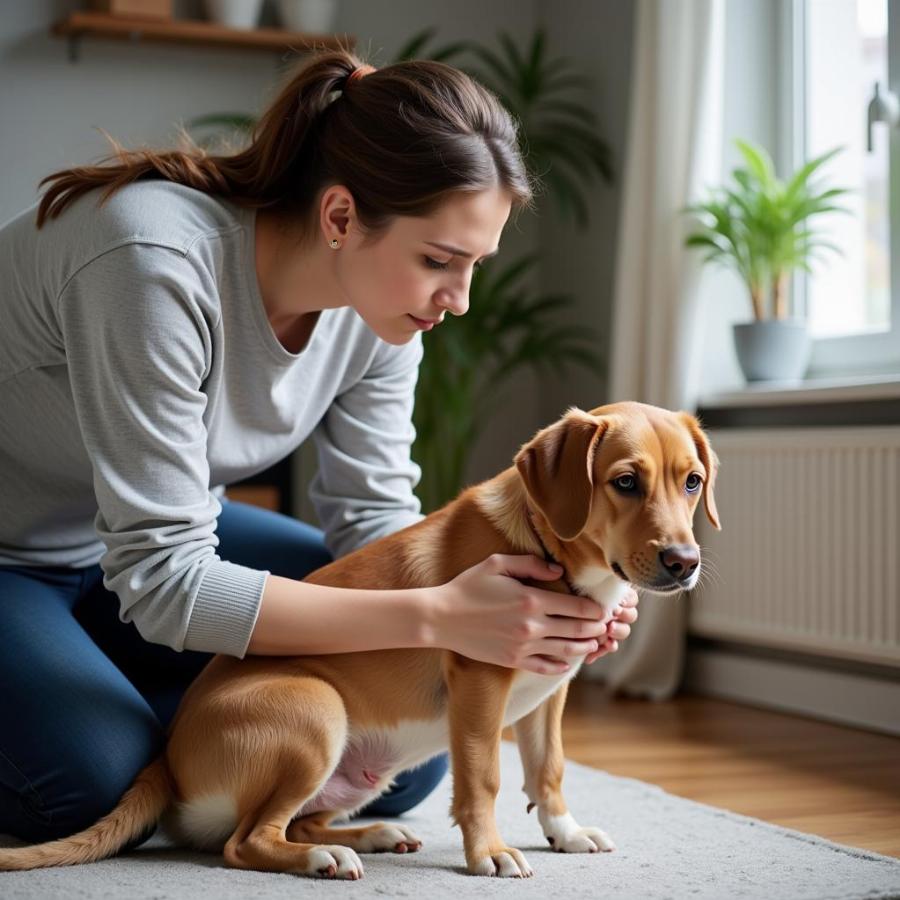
(509, 326)
(759, 226)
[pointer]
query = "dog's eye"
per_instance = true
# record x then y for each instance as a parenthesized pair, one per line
(625, 483)
(694, 483)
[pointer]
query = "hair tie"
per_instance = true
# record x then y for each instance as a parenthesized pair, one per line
(360, 72)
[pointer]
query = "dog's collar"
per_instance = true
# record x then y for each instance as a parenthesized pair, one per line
(548, 556)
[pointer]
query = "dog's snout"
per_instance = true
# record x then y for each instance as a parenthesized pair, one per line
(680, 560)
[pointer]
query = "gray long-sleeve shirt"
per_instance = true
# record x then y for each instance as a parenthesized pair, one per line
(139, 374)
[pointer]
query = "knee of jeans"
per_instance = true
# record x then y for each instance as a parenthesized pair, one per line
(411, 788)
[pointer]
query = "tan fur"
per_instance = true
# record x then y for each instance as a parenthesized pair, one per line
(263, 736)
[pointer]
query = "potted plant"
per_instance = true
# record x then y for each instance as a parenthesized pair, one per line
(242, 14)
(759, 226)
(308, 16)
(506, 328)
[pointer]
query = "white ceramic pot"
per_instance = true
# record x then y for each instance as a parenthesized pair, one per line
(309, 16)
(234, 13)
(773, 350)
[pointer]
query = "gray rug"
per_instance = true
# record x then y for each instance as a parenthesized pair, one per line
(668, 848)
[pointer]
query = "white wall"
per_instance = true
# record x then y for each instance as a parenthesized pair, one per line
(50, 108)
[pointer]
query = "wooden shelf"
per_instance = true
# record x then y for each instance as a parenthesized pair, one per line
(180, 31)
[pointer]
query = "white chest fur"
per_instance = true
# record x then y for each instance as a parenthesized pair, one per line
(604, 588)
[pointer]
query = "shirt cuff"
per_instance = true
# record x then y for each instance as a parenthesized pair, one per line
(225, 609)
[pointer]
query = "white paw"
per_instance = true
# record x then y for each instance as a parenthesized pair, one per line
(389, 837)
(507, 863)
(333, 861)
(584, 840)
(565, 835)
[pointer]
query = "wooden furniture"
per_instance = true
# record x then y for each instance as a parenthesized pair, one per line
(194, 33)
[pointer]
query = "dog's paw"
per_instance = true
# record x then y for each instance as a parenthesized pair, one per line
(332, 861)
(383, 838)
(565, 835)
(503, 862)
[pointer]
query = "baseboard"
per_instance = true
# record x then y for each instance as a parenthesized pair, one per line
(863, 699)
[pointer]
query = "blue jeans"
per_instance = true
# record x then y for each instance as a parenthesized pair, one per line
(85, 701)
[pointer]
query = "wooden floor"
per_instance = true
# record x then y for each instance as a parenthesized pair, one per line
(840, 783)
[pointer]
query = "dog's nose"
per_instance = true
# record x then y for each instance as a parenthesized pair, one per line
(680, 560)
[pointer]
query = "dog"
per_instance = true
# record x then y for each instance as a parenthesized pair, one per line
(264, 752)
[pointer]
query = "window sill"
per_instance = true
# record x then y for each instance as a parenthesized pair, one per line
(847, 401)
(818, 390)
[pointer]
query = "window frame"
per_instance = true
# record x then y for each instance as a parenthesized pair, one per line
(877, 353)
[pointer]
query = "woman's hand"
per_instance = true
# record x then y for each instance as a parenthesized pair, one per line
(624, 616)
(486, 613)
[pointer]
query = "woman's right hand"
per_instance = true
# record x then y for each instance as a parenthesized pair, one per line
(486, 613)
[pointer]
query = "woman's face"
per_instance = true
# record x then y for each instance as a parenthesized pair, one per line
(420, 269)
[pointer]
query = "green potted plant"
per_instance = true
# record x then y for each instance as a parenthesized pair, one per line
(509, 326)
(759, 226)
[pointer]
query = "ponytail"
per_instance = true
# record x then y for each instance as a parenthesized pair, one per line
(399, 139)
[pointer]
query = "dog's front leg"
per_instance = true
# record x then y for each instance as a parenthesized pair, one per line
(539, 735)
(477, 694)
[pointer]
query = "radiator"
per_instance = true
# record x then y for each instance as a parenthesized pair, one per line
(808, 556)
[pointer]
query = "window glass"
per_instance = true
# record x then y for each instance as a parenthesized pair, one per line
(846, 55)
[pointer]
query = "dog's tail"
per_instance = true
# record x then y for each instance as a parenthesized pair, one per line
(140, 807)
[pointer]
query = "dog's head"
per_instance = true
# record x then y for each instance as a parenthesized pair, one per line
(615, 489)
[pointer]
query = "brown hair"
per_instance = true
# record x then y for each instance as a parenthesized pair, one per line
(400, 139)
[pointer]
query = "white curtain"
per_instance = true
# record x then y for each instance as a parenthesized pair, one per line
(673, 157)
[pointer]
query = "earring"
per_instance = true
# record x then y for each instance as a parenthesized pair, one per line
(334, 243)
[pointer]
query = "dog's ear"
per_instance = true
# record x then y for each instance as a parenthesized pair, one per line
(556, 466)
(710, 463)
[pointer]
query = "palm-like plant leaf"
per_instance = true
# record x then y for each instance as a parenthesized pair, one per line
(415, 48)
(237, 121)
(759, 225)
(215, 127)
(537, 91)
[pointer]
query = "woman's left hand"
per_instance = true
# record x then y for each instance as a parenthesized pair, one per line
(619, 626)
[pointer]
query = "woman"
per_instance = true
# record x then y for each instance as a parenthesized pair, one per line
(173, 322)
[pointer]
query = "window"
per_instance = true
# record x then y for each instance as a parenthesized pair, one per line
(838, 50)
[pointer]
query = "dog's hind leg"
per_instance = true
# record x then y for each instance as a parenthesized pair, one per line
(539, 736)
(377, 838)
(265, 847)
(296, 750)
